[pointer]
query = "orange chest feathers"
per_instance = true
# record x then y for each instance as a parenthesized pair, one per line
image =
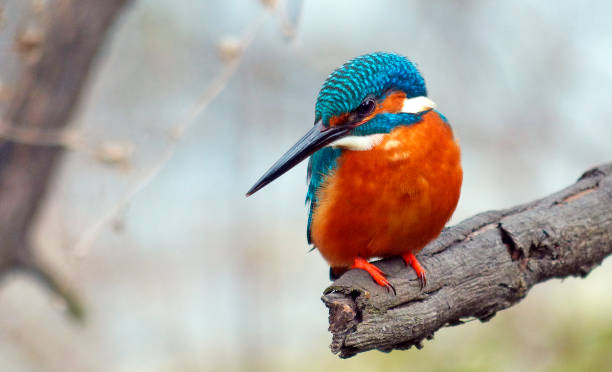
(392, 199)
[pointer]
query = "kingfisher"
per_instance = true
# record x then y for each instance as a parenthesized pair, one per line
(384, 174)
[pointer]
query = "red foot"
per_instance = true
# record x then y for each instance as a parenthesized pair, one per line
(412, 261)
(375, 272)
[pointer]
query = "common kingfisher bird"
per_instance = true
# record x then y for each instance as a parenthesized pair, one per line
(384, 174)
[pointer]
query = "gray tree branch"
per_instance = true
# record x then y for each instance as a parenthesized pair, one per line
(45, 97)
(483, 265)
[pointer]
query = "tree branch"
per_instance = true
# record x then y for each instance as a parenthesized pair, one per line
(483, 265)
(45, 97)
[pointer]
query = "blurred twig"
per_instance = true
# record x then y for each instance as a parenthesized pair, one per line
(110, 152)
(288, 13)
(72, 303)
(36, 137)
(39, 109)
(232, 52)
(29, 41)
(483, 265)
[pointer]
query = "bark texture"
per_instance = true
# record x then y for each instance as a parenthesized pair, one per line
(483, 265)
(45, 97)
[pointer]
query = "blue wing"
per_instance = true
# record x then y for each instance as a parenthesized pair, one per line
(320, 165)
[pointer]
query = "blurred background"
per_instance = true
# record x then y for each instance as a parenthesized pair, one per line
(178, 271)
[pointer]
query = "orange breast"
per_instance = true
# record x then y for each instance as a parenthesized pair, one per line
(390, 200)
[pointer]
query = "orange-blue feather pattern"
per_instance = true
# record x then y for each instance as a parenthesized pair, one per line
(384, 118)
(390, 200)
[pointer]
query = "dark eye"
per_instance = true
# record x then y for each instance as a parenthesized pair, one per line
(366, 107)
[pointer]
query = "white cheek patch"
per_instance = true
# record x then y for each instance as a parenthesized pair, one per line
(414, 105)
(417, 104)
(358, 143)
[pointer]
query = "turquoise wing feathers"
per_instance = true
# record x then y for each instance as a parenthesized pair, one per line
(320, 165)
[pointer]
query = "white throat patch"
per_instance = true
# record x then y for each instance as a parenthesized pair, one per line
(417, 104)
(364, 143)
(358, 143)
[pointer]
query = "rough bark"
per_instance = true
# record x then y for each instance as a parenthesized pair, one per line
(45, 97)
(483, 265)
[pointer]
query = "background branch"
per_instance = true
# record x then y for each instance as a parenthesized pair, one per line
(231, 51)
(485, 264)
(44, 99)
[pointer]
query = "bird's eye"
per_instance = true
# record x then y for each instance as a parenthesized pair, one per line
(366, 107)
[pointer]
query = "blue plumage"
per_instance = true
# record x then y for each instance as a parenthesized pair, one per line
(320, 164)
(370, 74)
(366, 97)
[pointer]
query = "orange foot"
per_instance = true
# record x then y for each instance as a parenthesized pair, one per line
(412, 261)
(375, 272)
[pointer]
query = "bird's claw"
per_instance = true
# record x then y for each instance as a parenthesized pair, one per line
(412, 261)
(375, 272)
(422, 280)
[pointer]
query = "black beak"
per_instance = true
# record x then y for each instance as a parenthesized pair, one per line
(316, 138)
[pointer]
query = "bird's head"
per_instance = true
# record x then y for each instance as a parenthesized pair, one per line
(364, 97)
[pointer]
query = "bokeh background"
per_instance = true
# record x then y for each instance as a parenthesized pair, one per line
(180, 272)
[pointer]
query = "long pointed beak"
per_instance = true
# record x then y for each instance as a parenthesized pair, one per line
(316, 138)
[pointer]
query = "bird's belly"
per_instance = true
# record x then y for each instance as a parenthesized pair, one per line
(392, 199)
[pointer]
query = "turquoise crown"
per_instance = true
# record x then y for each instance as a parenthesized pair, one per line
(369, 74)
